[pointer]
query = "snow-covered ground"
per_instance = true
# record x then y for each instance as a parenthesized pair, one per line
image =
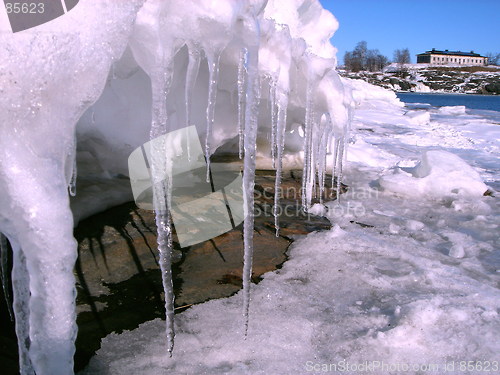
(406, 281)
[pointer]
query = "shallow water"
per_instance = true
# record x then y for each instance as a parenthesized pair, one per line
(487, 102)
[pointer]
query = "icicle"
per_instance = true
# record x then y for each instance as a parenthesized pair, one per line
(327, 137)
(191, 75)
(311, 170)
(4, 273)
(213, 69)
(160, 82)
(308, 156)
(274, 125)
(164, 227)
(335, 159)
(251, 122)
(337, 164)
(340, 168)
(340, 151)
(20, 287)
(72, 182)
(280, 141)
(321, 159)
(242, 68)
(71, 174)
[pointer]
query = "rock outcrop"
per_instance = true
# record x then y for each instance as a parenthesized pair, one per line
(463, 80)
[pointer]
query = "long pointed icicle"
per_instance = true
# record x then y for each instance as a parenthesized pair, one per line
(20, 287)
(323, 151)
(311, 191)
(160, 83)
(251, 122)
(4, 272)
(191, 75)
(335, 157)
(280, 141)
(337, 165)
(242, 66)
(306, 182)
(274, 124)
(340, 152)
(340, 168)
(213, 71)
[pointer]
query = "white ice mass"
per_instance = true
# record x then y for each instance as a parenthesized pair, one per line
(109, 75)
(406, 281)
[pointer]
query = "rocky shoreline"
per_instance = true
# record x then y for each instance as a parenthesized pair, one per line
(456, 80)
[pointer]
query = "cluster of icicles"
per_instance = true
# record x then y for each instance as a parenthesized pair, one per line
(251, 82)
(298, 84)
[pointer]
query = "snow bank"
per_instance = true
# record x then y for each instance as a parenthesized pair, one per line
(419, 117)
(346, 297)
(364, 92)
(439, 174)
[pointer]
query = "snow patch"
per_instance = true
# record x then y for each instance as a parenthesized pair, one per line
(439, 174)
(452, 110)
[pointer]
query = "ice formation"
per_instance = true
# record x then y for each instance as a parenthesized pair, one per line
(248, 70)
(440, 174)
(407, 281)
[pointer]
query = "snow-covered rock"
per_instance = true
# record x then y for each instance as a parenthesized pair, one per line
(439, 174)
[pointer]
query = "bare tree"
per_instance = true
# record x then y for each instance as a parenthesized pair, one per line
(493, 58)
(359, 55)
(348, 60)
(375, 61)
(402, 56)
(361, 58)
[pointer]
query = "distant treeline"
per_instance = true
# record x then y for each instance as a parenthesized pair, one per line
(364, 59)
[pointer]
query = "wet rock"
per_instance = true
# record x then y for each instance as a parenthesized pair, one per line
(119, 281)
(493, 88)
(465, 79)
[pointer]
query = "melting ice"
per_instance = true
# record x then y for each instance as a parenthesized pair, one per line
(149, 67)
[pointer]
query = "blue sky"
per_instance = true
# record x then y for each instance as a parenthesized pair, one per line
(419, 25)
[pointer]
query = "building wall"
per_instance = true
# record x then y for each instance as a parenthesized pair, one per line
(424, 59)
(457, 60)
